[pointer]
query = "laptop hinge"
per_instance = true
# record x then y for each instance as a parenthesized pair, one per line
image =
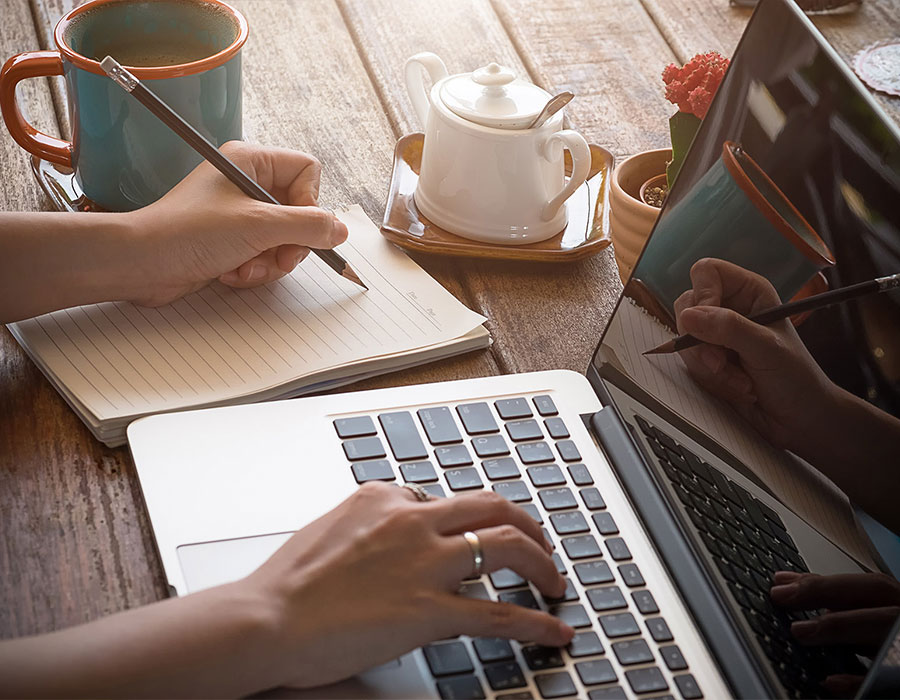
(737, 664)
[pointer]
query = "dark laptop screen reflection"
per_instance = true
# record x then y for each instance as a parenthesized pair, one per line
(795, 177)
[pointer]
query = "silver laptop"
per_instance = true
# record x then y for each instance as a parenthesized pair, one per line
(667, 523)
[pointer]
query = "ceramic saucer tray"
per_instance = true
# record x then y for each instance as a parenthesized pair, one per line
(586, 234)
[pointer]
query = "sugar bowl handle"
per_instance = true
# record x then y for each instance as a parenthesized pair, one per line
(415, 85)
(581, 166)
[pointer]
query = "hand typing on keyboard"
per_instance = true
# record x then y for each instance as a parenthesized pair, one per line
(379, 575)
(861, 608)
(767, 374)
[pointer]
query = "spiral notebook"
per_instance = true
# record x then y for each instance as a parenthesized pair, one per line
(309, 331)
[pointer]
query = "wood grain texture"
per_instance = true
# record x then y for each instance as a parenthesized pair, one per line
(75, 540)
(693, 26)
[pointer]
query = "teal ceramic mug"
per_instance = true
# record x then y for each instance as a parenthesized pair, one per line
(187, 51)
(735, 212)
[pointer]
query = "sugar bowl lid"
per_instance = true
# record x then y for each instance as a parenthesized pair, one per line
(493, 96)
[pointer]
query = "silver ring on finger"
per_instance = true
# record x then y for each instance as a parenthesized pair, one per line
(418, 491)
(477, 553)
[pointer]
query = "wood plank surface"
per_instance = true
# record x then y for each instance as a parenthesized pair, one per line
(694, 26)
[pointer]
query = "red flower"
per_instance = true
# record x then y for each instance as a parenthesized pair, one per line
(693, 86)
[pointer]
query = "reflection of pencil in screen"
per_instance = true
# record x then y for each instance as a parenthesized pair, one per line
(777, 313)
(213, 155)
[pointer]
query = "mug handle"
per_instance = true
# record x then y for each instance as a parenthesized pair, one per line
(34, 64)
(581, 166)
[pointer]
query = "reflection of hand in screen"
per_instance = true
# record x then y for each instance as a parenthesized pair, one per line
(860, 610)
(765, 372)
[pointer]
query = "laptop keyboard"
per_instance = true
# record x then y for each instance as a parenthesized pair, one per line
(748, 542)
(521, 449)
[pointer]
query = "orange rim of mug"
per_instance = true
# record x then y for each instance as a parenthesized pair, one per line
(822, 257)
(152, 72)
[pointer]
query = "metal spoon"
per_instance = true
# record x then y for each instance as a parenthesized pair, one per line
(554, 104)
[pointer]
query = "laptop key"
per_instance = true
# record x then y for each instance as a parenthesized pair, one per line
(506, 578)
(591, 572)
(613, 693)
(418, 472)
(490, 446)
(515, 491)
(490, 649)
(448, 658)
(523, 695)
(585, 644)
(646, 680)
(568, 523)
(631, 574)
(533, 511)
(522, 430)
(659, 630)
(523, 598)
(573, 615)
(555, 685)
(645, 602)
(609, 598)
(556, 427)
(475, 590)
(568, 596)
(532, 452)
(580, 475)
(402, 435)
(632, 652)
(363, 448)
(477, 418)
(358, 426)
(504, 675)
(592, 498)
(546, 475)
(619, 625)
(581, 547)
(373, 470)
(605, 523)
(595, 672)
(687, 686)
(463, 479)
(560, 566)
(503, 468)
(673, 658)
(453, 456)
(557, 499)
(460, 688)
(618, 550)
(544, 405)
(539, 658)
(440, 428)
(435, 490)
(510, 409)
(568, 451)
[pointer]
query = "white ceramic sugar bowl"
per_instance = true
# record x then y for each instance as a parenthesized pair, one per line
(485, 175)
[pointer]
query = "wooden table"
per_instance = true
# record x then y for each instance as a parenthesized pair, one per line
(325, 76)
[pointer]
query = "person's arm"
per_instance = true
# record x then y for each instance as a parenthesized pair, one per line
(204, 229)
(768, 375)
(367, 582)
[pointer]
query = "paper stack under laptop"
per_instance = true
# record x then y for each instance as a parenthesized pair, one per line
(309, 331)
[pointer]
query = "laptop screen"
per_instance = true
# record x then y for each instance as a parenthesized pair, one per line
(795, 175)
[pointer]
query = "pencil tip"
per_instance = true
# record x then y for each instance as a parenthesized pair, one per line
(353, 277)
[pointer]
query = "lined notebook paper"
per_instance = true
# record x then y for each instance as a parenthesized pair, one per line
(114, 362)
(803, 489)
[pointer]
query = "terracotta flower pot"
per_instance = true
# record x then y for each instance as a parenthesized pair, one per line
(630, 219)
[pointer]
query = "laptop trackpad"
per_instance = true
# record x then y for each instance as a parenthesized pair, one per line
(208, 564)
